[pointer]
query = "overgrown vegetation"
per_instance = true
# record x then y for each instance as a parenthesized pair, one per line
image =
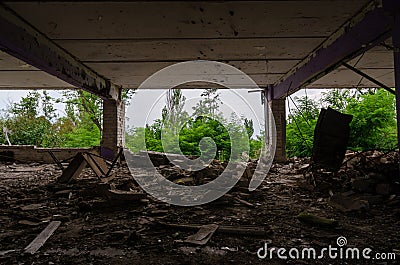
(373, 125)
(35, 121)
(194, 133)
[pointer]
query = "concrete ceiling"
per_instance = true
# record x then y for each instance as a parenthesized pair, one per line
(128, 41)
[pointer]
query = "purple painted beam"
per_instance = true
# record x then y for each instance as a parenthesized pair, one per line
(373, 28)
(21, 40)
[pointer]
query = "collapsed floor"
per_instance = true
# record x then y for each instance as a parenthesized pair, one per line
(361, 203)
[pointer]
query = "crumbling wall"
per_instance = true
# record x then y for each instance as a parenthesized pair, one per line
(29, 153)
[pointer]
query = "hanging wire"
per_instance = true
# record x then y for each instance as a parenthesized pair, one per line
(295, 121)
(297, 126)
(359, 59)
(299, 111)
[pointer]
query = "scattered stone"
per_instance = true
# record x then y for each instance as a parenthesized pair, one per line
(348, 204)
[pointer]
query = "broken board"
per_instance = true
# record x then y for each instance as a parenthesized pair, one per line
(74, 169)
(39, 241)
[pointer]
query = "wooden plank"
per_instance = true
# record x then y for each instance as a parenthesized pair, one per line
(96, 167)
(99, 166)
(223, 229)
(39, 241)
(74, 169)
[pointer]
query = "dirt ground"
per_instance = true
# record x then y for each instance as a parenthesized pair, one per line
(98, 230)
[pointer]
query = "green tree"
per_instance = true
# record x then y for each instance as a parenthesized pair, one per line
(30, 121)
(373, 125)
(209, 105)
(374, 121)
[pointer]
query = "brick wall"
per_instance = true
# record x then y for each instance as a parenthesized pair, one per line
(113, 135)
(278, 107)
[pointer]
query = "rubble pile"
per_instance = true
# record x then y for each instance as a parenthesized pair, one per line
(372, 172)
(107, 223)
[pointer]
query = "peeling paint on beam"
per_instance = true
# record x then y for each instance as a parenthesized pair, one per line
(366, 30)
(21, 40)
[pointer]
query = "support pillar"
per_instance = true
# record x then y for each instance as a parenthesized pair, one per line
(396, 55)
(113, 135)
(278, 107)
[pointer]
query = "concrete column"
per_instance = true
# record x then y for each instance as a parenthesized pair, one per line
(396, 57)
(278, 107)
(113, 135)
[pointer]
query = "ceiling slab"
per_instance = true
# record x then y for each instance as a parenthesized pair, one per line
(343, 77)
(191, 49)
(30, 79)
(364, 31)
(7, 63)
(132, 79)
(378, 57)
(148, 68)
(128, 41)
(174, 19)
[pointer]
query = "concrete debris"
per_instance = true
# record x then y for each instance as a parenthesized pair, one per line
(348, 203)
(103, 222)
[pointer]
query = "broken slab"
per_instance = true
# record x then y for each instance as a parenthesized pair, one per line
(347, 203)
(203, 235)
